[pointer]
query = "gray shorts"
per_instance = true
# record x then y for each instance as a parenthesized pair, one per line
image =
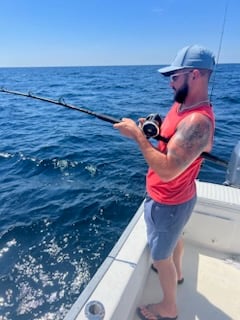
(165, 224)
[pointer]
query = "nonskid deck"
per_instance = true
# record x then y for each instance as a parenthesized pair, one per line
(211, 289)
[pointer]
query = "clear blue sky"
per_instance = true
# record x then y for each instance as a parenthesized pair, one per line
(113, 32)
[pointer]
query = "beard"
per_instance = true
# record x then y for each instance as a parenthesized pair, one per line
(181, 94)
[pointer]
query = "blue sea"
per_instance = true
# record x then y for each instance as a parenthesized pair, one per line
(70, 183)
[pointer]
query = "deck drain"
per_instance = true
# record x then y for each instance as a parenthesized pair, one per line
(94, 310)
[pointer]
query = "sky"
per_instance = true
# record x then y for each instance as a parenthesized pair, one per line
(114, 32)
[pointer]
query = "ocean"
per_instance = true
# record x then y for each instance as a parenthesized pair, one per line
(70, 183)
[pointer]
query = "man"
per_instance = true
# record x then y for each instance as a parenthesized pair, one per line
(173, 168)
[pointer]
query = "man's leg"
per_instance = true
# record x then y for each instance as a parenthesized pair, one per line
(168, 280)
(164, 241)
(178, 257)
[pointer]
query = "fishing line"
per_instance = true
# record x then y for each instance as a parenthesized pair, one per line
(101, 116)
(219, 47)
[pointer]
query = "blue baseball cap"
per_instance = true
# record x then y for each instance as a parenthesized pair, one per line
(191, 57)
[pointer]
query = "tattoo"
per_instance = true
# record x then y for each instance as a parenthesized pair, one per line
(190, 141)
(196, 137)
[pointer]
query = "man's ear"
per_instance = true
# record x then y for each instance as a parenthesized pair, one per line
(196, 73)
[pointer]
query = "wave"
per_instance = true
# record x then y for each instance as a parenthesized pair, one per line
(27, 162)
(6, 155)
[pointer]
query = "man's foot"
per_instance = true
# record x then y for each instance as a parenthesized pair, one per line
(148, 313)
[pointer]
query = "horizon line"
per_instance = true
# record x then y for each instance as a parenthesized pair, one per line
(95, 66)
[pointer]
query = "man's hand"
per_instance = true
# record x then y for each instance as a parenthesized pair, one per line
(129, 128)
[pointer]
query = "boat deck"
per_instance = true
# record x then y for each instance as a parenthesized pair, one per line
(207, 293)
(211, 290)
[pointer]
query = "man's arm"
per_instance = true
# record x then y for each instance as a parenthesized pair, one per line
(193, 136)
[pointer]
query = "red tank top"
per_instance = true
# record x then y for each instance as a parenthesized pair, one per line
(183, 187)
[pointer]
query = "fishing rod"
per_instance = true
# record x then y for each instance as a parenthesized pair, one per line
(61, 102)
(216, 160)
(151, 120)
(220, 46)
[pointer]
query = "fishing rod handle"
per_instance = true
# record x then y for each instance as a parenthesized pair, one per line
(107, 118)
(215, 159)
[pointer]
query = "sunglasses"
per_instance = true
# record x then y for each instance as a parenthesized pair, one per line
(174, 77)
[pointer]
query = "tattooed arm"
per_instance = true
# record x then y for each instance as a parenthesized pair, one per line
(193, 136)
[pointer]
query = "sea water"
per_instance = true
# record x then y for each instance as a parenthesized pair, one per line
(70, 183)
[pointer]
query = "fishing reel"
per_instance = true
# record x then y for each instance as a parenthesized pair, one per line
(151, 126)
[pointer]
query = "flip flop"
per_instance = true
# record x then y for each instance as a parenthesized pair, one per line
(157, 317)
(155, 270)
